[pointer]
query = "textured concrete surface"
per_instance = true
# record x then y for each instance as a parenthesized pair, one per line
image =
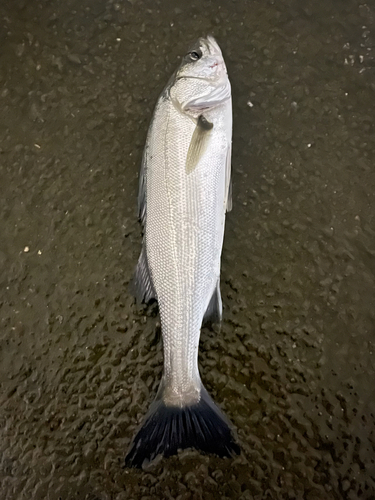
(293, 366)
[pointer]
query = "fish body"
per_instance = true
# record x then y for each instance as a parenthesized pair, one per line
(183, 197)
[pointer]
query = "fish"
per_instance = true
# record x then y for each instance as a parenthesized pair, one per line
(184, 194)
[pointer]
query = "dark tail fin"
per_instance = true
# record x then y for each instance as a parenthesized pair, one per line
(167, 429)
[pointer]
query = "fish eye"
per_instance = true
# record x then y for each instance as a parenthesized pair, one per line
(195, 55)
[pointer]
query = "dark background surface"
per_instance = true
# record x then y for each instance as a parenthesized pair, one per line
(293, 365)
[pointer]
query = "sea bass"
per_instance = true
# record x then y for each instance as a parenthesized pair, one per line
(184, 193)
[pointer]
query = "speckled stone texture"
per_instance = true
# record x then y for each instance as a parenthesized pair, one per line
(293, 365)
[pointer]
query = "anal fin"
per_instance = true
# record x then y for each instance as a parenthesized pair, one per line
(214, 310)
(142, 286)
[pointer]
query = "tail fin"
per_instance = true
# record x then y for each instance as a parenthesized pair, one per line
(167, 429)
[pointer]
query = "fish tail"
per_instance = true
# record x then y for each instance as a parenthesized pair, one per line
(167, 429)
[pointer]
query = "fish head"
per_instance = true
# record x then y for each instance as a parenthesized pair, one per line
(201, 82)
(203, 60)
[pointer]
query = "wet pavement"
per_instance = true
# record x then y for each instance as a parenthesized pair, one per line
(293, 366)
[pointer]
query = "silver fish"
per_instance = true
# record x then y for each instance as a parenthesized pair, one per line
(184, 194)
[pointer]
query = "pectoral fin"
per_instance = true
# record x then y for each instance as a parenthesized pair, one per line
(198, 143)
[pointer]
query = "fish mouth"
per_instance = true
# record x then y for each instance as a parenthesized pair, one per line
(211, 45)
(218, 65)
(192, 78)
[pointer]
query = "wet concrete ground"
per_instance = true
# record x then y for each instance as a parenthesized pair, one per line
(293, 366)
